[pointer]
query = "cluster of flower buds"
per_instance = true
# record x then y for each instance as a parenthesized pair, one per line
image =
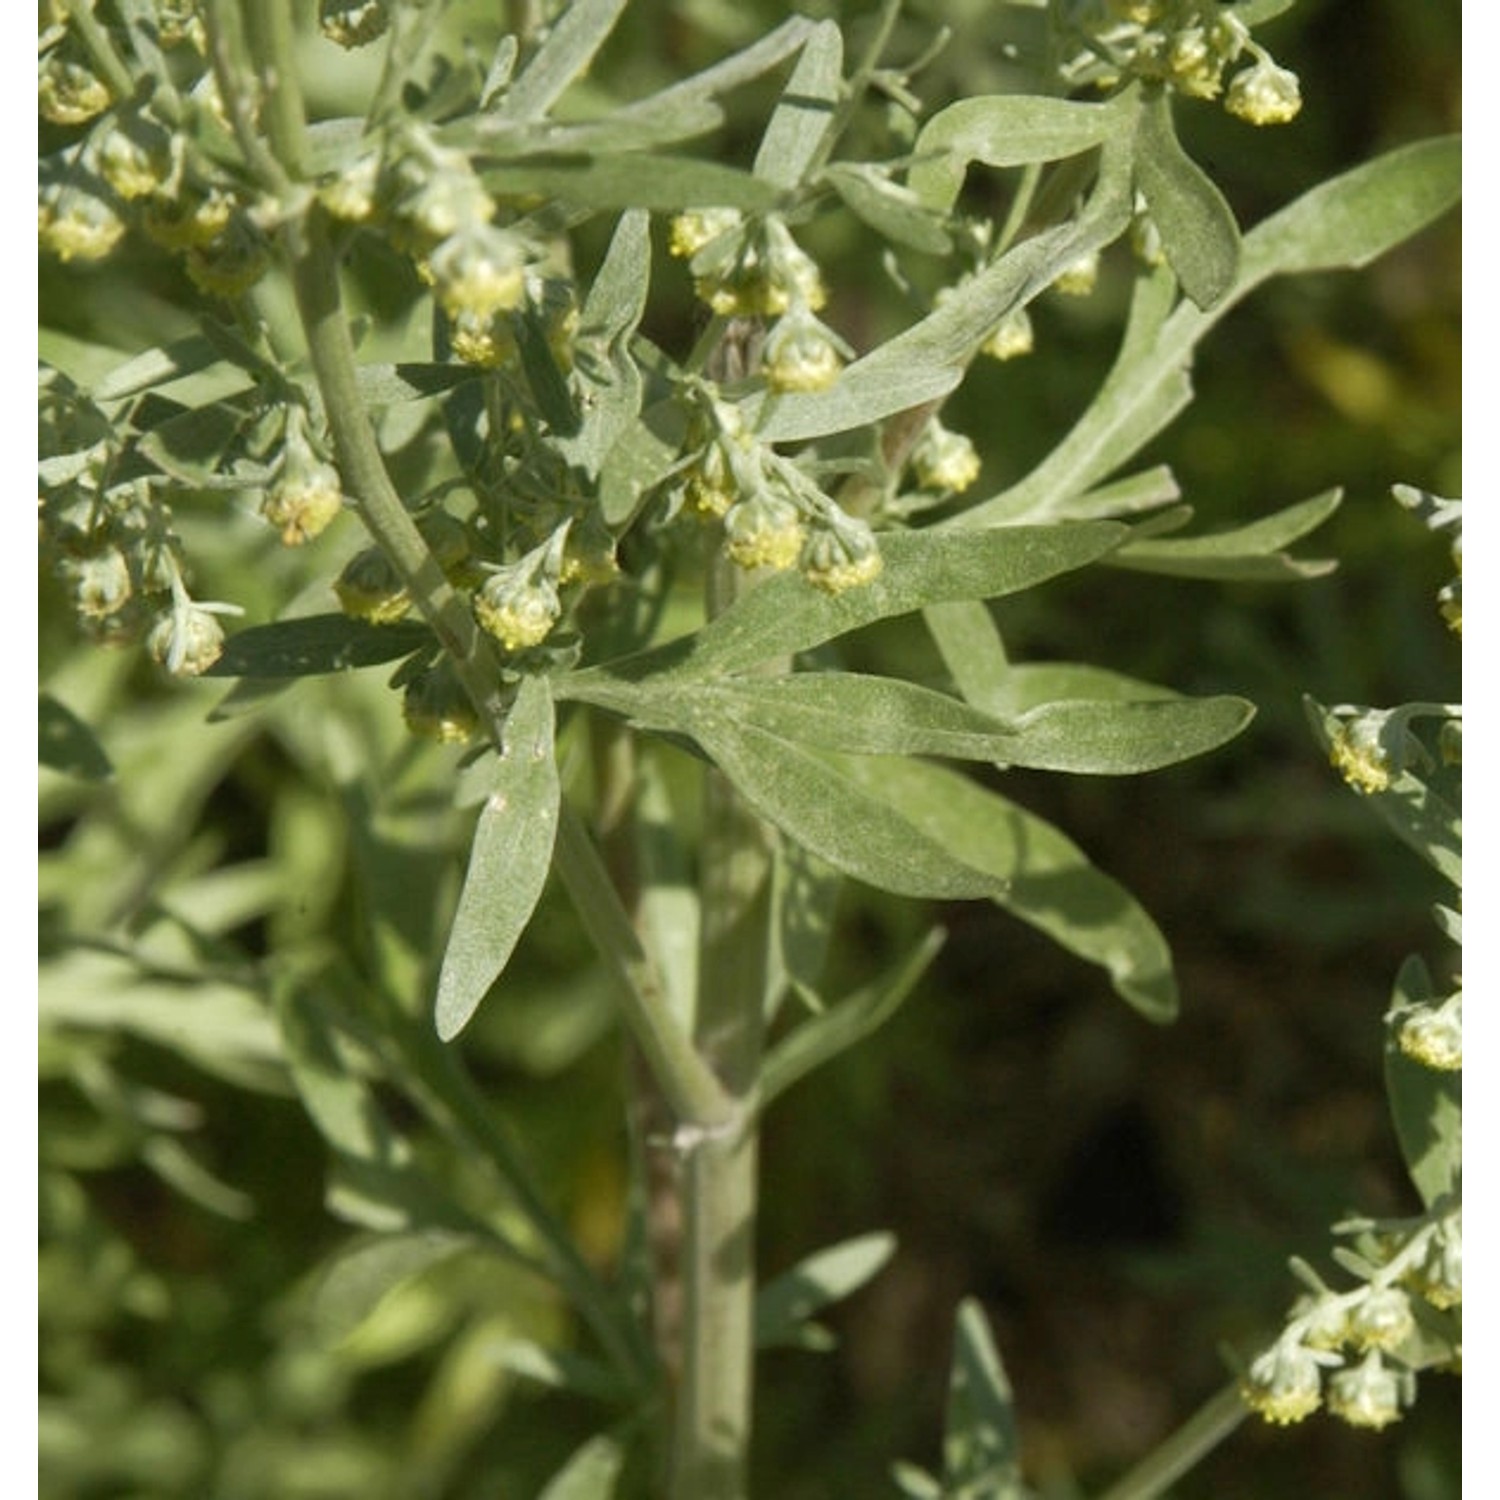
(130, 166)
(111, 543)
(753, 268)
(942, 461)
(303, 495)
(1358, 1350)
(1188, 46)
(773, 516)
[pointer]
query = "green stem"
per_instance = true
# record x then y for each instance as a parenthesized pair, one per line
(1184, 1449)
(712, 1424)
(101, 50)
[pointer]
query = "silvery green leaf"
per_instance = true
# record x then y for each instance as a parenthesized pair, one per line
(1045, 880)
(785, 614)
(1196, 224)
(632, 180)
(1002, 130)
(411, 380)
(568, 46)
(890, 208)
(867, 836)
(805, 112)
(1346, 222)
(508, 862)
(154, 367)
(1245, 552)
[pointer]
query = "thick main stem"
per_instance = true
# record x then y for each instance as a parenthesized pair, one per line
(715, 1400)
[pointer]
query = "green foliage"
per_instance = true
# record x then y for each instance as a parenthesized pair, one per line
(506, 332)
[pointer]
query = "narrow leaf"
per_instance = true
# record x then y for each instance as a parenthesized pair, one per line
(1253, 552)
(412, 380)
(1426, 1105)
(1196, 224)
(784, 1304)
(508, 862)
(804, 113)
(810, 801)
(981, 1449)
(185, 356)
(566, 50)
(315, 644)
(890, 208)
(634, 180)
(824, 1036)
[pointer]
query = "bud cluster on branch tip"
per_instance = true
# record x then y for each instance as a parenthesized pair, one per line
(371, 588)
(1367, 751)
(1358, 1349)
(943, 460)
(1188, 46)
(436, 707)
(518, 603)
(1431, 1032)
(1012, 338)
(303, 495)
(746, 268)
(353, 23)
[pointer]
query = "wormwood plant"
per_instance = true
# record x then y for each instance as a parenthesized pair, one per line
(619, 563)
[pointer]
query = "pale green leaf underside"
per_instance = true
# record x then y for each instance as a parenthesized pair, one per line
(590, 1474)
(364, 1274)
(509, 860)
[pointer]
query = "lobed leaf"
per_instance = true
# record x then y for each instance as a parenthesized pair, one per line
(508, 862)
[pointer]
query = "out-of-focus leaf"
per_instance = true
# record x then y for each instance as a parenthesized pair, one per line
(824, 1036)
(1196, 224)
(590, 1474)
(804, 113)
(637, 180)
(1045, 879)
(1252, 552)
(1426, 1104)
(355, 1283)
(561, 1369)
(1003, 130)
(981, 1449)
(65, 743)
(315, 644)
(804, 895)
(784, 1304)
(509, 860)
(184, 1173)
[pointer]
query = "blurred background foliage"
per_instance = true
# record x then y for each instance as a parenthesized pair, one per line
(1121, 1198)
